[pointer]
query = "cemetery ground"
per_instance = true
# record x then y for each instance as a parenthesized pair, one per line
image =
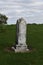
(34, 39)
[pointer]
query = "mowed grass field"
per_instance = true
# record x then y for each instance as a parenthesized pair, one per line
(34, 38)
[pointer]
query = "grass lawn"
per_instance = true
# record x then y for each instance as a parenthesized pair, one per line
(34, 38)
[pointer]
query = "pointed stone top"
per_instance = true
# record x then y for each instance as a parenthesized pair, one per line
(21, 19)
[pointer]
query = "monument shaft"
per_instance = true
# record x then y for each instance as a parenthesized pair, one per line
(22, 33)
(21, 45)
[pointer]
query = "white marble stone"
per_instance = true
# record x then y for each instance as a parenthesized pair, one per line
(21, 36)
(22, 32)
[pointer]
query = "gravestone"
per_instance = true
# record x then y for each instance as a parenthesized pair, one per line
(21, 45)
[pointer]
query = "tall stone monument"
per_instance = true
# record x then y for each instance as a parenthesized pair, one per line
(21, 36)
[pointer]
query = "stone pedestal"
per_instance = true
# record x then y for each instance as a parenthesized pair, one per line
(21, 48)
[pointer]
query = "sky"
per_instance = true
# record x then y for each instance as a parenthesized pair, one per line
(30, 10)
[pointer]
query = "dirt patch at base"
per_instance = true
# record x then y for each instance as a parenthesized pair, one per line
(9, 49)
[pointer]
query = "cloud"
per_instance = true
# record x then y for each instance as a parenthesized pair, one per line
(36, 4)
(32, 10)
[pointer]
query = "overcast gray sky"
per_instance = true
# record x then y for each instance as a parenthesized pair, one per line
(31, 10)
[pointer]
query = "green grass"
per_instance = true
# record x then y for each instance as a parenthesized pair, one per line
(34, 38)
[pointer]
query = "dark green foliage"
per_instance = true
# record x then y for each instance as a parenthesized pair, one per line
(3, 19)
(34, 38)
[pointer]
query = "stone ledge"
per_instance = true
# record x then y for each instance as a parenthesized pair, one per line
(20, 48)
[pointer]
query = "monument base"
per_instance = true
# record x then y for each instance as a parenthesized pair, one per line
(21, 48)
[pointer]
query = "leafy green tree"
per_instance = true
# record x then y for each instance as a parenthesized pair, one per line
(3, 20)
